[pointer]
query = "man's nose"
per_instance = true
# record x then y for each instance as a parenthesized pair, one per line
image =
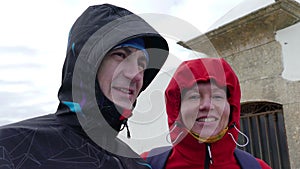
(132, 70)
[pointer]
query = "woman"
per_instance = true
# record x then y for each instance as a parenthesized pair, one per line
(203, 107)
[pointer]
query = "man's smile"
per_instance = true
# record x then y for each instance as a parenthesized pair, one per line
(125, 90)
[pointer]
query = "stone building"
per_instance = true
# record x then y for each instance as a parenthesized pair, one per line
(270, 103)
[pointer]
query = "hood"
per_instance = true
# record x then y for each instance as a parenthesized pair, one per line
(95, 32)
(204, 69)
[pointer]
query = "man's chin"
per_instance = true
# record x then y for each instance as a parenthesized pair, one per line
(123, 105)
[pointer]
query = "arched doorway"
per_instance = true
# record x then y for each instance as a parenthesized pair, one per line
(263, 123)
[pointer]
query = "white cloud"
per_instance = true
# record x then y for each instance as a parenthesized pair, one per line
(240, 9)
(203, 14)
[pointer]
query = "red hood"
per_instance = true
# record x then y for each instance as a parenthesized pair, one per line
(204, 69)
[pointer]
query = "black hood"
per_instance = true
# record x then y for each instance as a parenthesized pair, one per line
(94, 33)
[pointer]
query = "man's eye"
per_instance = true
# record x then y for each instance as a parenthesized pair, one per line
(142, 65)
(119, 54)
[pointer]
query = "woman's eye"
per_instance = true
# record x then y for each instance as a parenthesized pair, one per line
(195, 96)
(218, 97)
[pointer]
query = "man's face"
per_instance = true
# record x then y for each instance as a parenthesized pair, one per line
(205, 109)
(121, 74)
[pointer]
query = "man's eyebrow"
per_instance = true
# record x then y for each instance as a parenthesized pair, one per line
(127, 50)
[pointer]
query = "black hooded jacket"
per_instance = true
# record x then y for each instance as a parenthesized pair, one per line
(82, 133)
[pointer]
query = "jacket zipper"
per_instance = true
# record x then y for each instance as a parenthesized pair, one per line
(208, 157)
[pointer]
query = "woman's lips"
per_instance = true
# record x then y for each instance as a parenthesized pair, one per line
(206, 119)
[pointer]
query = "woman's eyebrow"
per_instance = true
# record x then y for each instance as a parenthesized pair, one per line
(214, 88)
(192, 90)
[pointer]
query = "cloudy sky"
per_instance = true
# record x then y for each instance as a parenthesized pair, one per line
(34, 38)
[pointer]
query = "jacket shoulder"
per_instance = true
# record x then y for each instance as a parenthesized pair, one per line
(158, 157)
(246, 160)
(263, 164)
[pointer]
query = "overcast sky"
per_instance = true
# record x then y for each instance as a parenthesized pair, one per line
(34, 37)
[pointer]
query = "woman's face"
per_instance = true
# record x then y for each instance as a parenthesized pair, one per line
(205, 109)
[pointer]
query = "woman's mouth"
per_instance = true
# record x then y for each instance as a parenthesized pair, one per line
(206, 119)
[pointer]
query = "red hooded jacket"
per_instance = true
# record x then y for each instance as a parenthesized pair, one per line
(187, 151)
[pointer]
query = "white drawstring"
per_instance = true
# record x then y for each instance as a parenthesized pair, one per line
(209, 153)
(168, 135)
(240, 145)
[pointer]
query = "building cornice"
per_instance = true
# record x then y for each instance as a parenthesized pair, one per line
(254, 29)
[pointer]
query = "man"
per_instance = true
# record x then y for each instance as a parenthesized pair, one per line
(112, 55)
